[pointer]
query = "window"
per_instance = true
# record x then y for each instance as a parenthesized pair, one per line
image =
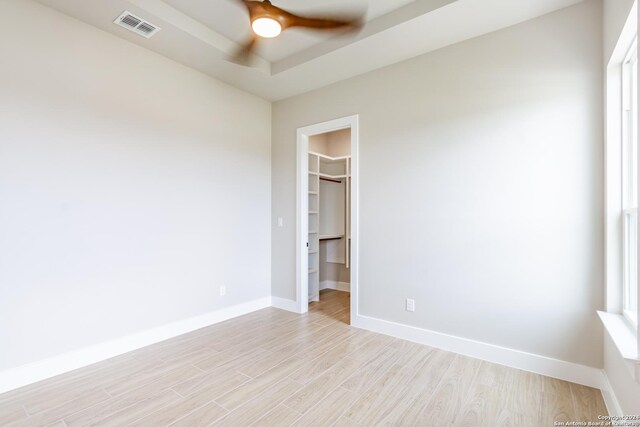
(630, 182)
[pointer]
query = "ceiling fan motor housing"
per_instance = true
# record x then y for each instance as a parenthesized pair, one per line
(265, 9)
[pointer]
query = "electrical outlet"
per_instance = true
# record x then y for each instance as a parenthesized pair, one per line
(280, 221)
(223, 291)
(411, 305)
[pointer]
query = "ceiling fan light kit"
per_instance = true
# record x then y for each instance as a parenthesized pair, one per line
(266, 27)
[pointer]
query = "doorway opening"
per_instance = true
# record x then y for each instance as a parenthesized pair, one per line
(327, 267)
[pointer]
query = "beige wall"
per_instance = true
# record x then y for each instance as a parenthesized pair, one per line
(334, 144)
(481, 186)
(318, 143)
(614, 15)
(131, 188)
(339, 143)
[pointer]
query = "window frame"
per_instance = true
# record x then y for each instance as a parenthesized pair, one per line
(629, 141)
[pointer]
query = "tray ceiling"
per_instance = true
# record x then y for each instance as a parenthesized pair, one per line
(202, 33)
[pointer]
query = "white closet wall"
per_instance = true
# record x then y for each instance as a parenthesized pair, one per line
(339, 143)
(332, 144)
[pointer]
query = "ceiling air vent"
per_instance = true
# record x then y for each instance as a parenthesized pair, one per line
(136, 24)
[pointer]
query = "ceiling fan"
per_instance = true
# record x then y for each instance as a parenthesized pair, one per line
(268, 21)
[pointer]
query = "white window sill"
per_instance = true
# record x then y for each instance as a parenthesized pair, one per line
(625, 339)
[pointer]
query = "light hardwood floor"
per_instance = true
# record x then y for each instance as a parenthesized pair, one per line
(274, 368)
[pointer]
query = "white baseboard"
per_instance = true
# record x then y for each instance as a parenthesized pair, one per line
(338, 286)
(284, 304)
(573, 372)
(609, 397)
(37, 371)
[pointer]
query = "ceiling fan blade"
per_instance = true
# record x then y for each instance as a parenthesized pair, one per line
(264, 8)
(259, 8)
(321, 23)
(243, 55)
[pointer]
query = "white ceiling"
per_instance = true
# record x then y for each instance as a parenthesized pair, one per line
(229, 18)
(203, 33)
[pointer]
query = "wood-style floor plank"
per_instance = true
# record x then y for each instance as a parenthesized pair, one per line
(280, 416)
(174, 411)
(255, 409)
(371, 371)
(140, 409)
(275, 368)
(328, 410)
(201, 417)
(587, 401)
(55, 414)
(422, 386)
(11, 412)
(448, 399)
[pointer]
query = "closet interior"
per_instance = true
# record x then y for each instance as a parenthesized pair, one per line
(329, 204)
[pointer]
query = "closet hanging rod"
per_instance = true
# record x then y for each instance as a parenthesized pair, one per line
(322, 178)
